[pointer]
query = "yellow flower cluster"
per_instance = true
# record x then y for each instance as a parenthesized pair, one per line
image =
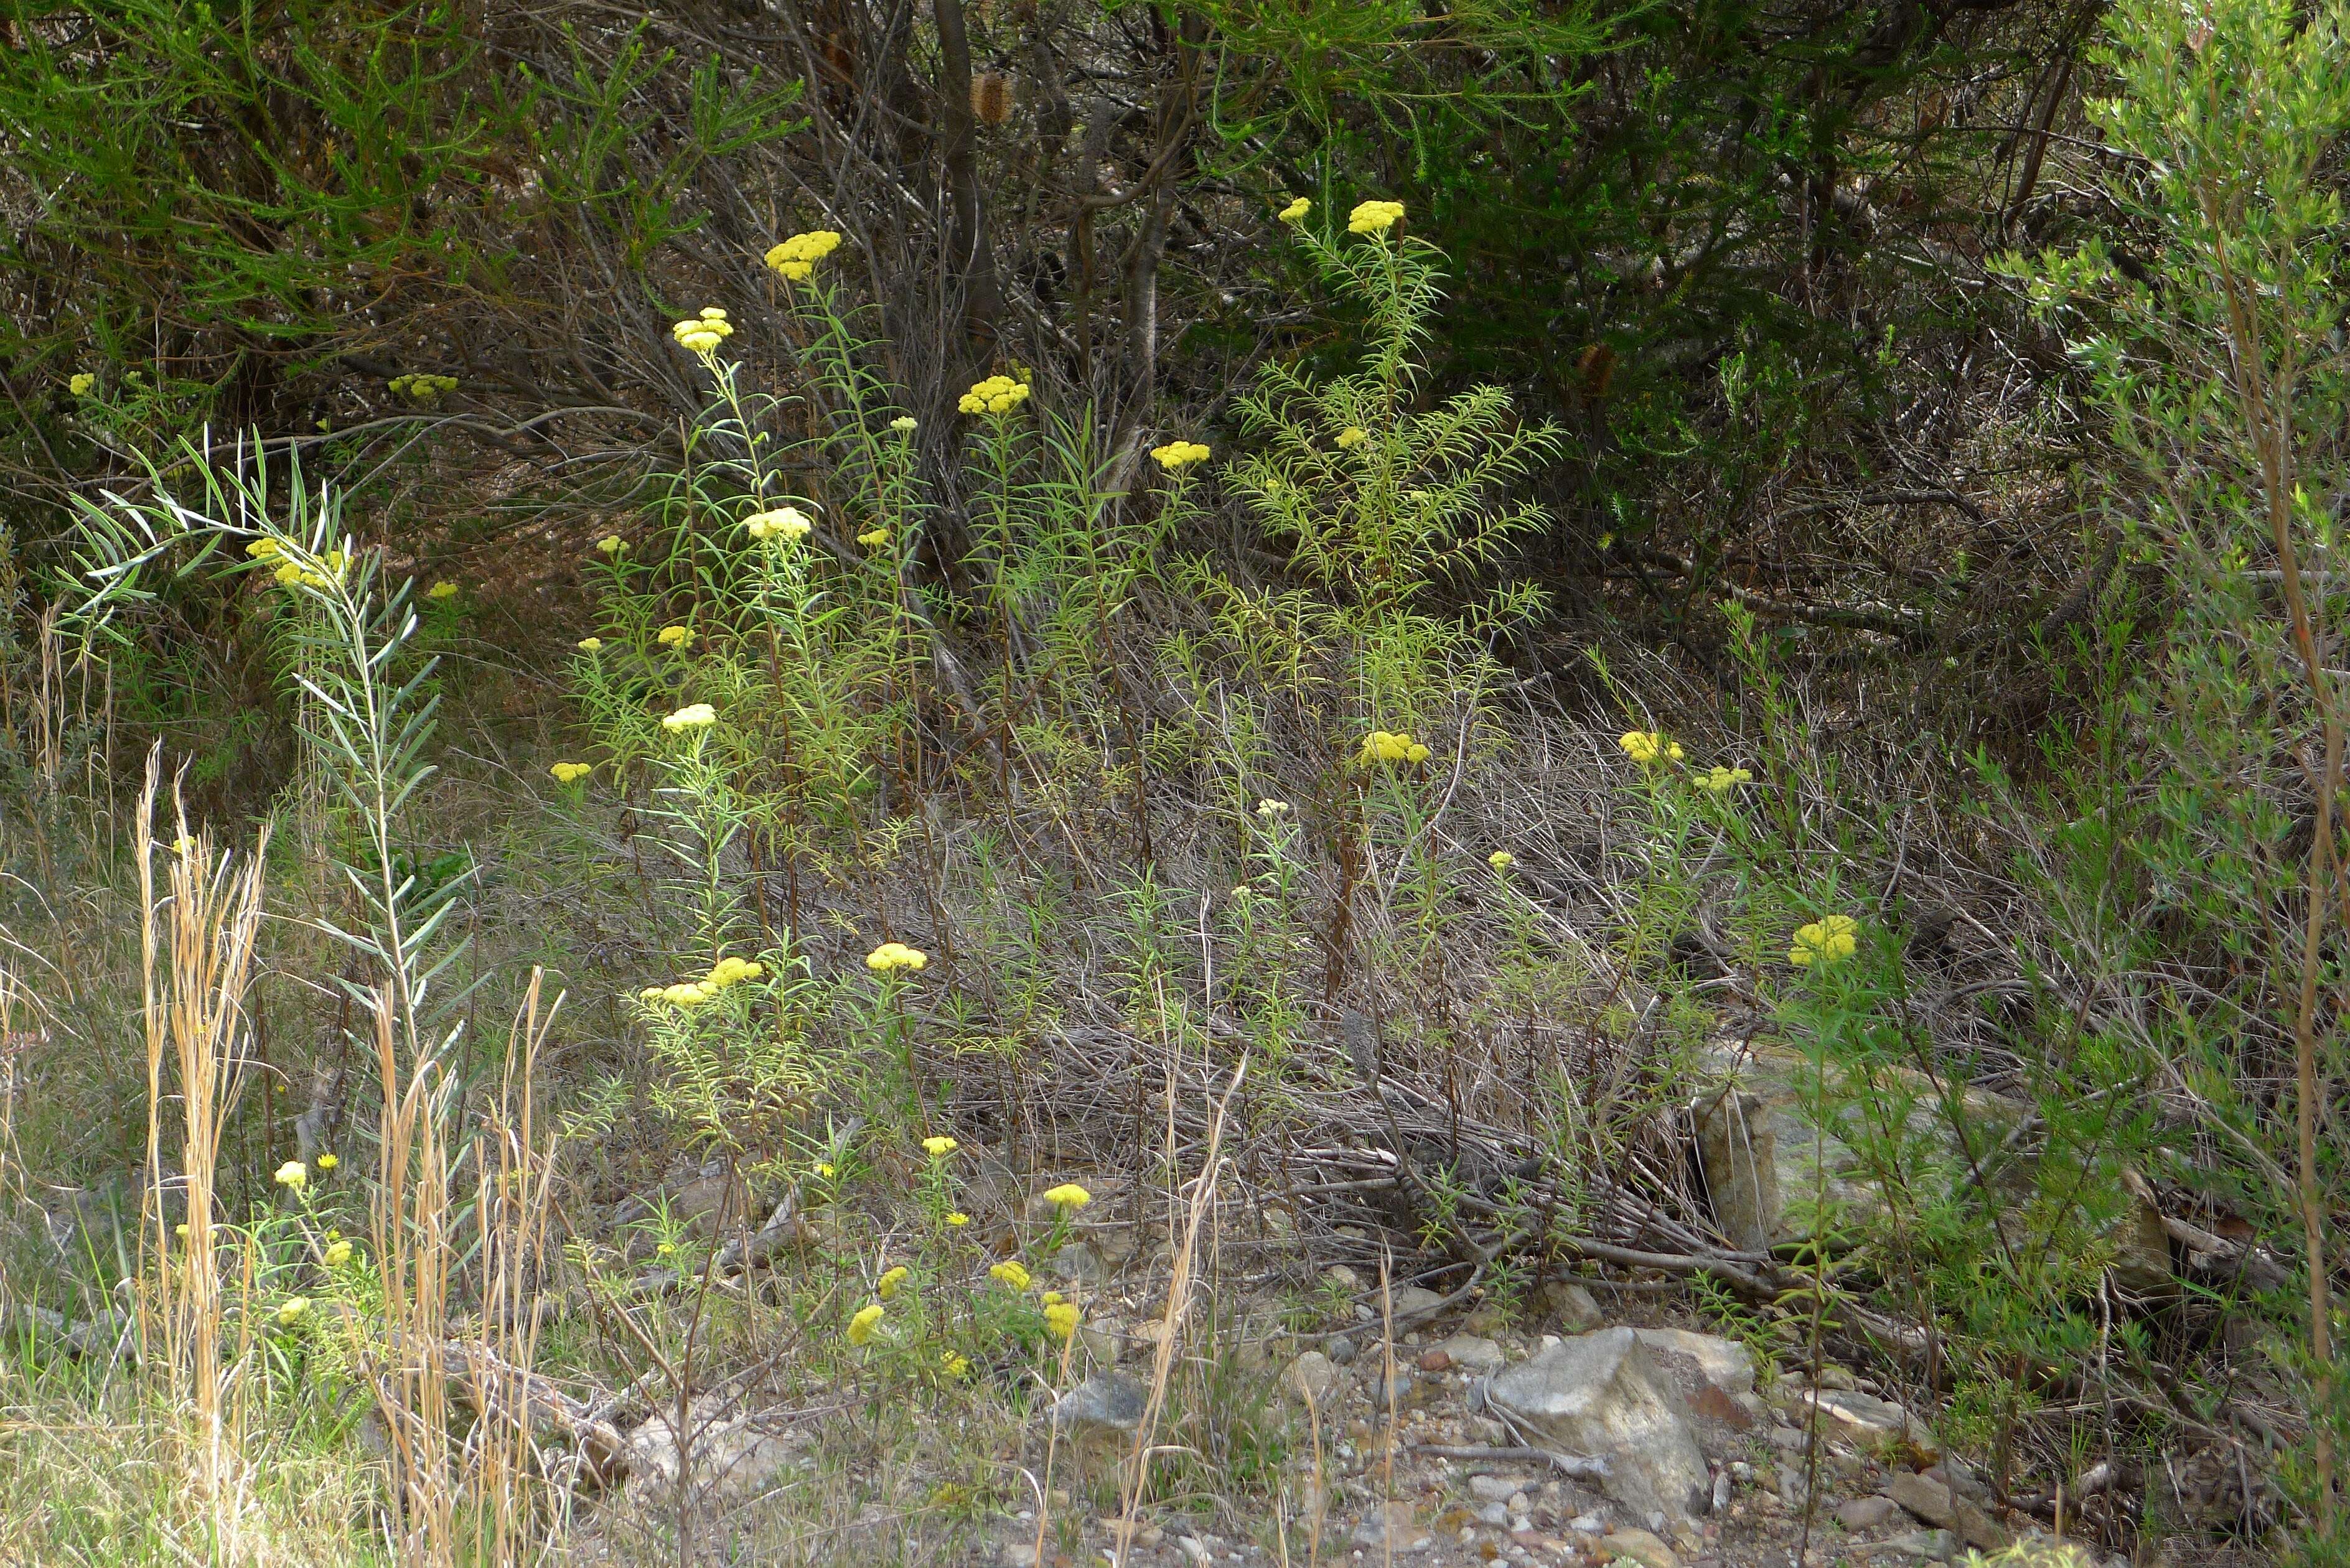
(337, 1254)
(1374, 217)
(1067, 1197)
(566, 773)
(1721, 780)
(904, 424)
(796, 258)
(703, 334)
(1011, 1275)
(293, 1176)
(940, 1146)
(891, 956)
(1061, 1318)
(1388, 746)
(1823, 941)
(1270, 809)
(1178, 455)
(290, 1311)
(674, 636)
(1648, 747)
(727, 971)
(328, 1161)
(958, 1220)
(996, 395)
(868, 1319)
(1351, 436)
(783, 522)
(692, 716)
(612, 544)
(1295, 212)
(423, 389)
(441, 591)
(887, 1287)
(590, 644)
(875, 539)
(335, 561)
(954, 1364)
(1500, 860)
(81, 384)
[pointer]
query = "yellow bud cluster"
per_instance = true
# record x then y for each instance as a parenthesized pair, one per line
(875, 539)
(423, 389)
(1823, 941)
(996, 395)
(1721, 780)
(1178, 455)
(1393, 746)
(79, 385)
(566, 773)
(674, 636)
(783, 522)
(689, 995)
(796, 258)
(692, 716)
(1351, 436)
(441, 591)
(703, 334)
(1295, 212)
(891, 956)
(1374, 217)
(1649, 747)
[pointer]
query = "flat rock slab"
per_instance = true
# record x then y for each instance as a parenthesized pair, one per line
(1603, 1396)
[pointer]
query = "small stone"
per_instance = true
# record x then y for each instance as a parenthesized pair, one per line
(1019, 1554)
(1471, 1354)
(1519, 1503)
(1434, 1359)
(1107, 1401)
(1593, 1524)
(1494, 1513)
(1413, 1304)
(1641, 1547)
(1930, 1545)
(1340, 1350)
(1575, 1308)
(1343, 1277)
(1933, 1502)
(1080, 1262)
(1494, 1489)
(1869, 1514)
(1834, 1377)
(1311, 1377)
(1383, 1521)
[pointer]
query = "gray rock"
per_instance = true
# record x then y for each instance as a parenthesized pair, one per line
(1106, 1402)
(1869, 1513)
(1080, 1262)
(1642, 1547)
(1496, 1514)
(1601, 1395)
(1933, 1502)
(1575, 1308)
(1848, 1413)
(1413, 1304)
(1311, 1377)
(1383, 1521)
(1930, 1545)
(1340, 1350)
(1471, 1354)
(725, 1456)
(1497, 1488)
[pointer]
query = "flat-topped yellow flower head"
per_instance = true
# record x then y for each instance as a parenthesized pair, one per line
(674, 636)
(939, 1146)
(1392, 746)
(1374, 217)
(891, 1278)
(1649, 747)
(80, 384)
(566, 773)
(611, 544)
(1010, 1274)
(293, 1176)
(783, 524)
(1178, 455)
(1351, 436)
(794, 259)
(891, 957)
(1068, 1197)
(441, 591)
(590, 644)
(1295, 212)
(1061, 1319)
(996, 395)
(1500, 860)
(868, 1320)
(692, 716)
(1721, 780)
(1823, 941)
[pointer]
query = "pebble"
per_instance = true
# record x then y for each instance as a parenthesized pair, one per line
(1340, 1350)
